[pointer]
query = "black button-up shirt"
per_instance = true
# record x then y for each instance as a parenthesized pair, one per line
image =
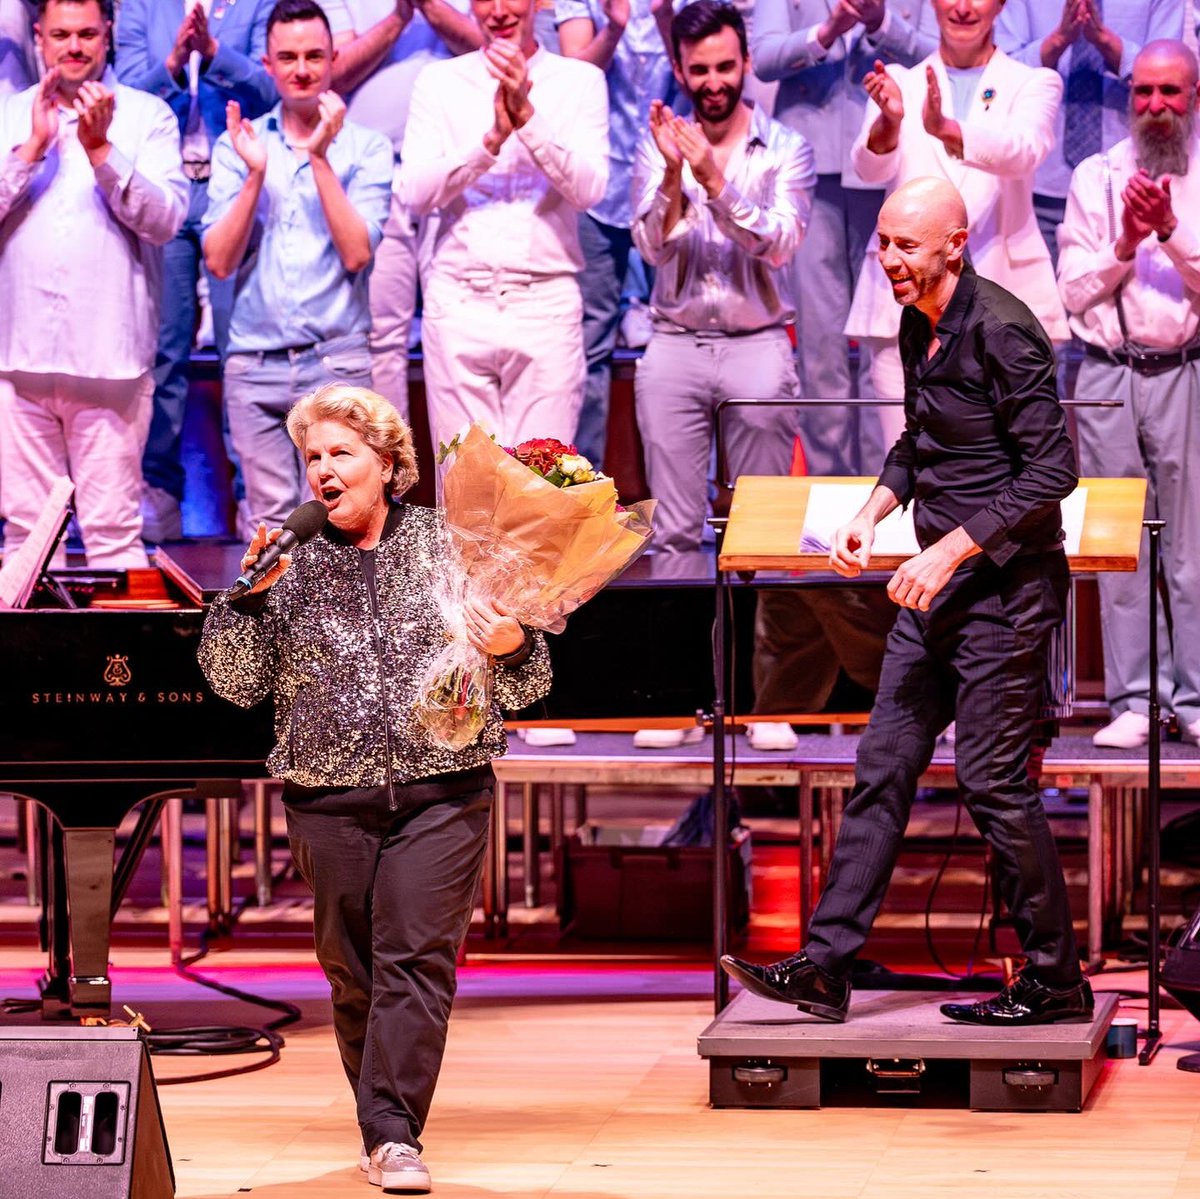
(985, 444)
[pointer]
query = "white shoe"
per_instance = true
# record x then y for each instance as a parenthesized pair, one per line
(397, 1167)
(771, 735)
(364, 1159)
(948, 734)
(1190, 732)
(1130, 730)
(667, 738)
(546, 738)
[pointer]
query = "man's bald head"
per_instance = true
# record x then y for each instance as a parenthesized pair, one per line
(929, 204)
(922, 237)
(1173, 54)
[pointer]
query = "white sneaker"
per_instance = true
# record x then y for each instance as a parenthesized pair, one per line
(667, 738)
(948, 735)
(1130, 730)
(397, 1167)
(1190, 732)
(364, 1159)
(771, 735)
(546, 738)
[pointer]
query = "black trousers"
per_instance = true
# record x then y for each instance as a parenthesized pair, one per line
(393, 893)
(977, 657)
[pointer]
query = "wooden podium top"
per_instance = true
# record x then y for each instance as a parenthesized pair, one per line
(767, 515)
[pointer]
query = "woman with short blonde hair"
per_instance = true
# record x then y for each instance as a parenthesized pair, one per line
(372, 417)
(386, 825)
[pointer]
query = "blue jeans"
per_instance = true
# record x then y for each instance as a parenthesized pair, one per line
(260, 389)
(606, 259)
(162, 461)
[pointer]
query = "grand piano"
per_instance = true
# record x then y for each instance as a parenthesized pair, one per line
(103, 707)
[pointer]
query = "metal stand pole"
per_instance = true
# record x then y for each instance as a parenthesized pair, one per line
(1153, 1034)
(720, 800)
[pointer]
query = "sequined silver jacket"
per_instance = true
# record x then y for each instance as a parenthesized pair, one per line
(344, 680)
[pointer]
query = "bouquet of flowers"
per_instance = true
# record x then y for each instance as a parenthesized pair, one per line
(535, 528)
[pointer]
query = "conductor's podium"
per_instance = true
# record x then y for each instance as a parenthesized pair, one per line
(898, 1049)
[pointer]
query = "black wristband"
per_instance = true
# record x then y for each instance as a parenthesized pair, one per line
(519, 656)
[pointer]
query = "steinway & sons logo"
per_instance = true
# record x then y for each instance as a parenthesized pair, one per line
(118, 675)
(117, 672)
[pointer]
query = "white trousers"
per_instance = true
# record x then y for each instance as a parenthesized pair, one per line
(93, 430)
(393, 299)
(506, 352)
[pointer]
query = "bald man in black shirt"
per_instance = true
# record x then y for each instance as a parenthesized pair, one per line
(986, 457)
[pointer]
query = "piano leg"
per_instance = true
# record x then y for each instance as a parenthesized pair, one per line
(54, 926)
(79, 884)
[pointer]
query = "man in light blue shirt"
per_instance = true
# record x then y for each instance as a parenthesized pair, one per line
(1092, 45)
(624, 39)
(297, 202)
(196, 55)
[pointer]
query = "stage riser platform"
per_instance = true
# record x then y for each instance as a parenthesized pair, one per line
(814, 1083)
(897, 1050)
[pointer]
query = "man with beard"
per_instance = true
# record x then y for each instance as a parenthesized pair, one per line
(504, 148)
(720, 204)
(986, 457)
(1129, 273)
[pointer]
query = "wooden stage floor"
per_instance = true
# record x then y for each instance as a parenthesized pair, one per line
(581, 1081)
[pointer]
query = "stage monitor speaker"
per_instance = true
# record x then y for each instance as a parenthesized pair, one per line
(79, 1116)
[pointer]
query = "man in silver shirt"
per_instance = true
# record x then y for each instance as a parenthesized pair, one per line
(720, 204)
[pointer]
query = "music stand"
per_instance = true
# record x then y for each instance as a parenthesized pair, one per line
(763, 532)
(30, 563)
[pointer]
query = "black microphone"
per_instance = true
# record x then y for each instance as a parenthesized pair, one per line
(303, 524)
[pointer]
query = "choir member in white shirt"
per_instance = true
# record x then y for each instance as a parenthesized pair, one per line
(505, 147)
(91, 191)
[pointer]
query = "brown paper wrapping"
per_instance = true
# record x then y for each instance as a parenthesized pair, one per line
(541, 550)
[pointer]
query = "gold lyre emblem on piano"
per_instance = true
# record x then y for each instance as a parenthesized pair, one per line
(117, 672)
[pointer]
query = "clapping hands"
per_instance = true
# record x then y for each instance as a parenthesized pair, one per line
(511, 106)
(193, 34)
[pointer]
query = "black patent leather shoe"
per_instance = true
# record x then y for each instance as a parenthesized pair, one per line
(1027, 1001)
(795, 980)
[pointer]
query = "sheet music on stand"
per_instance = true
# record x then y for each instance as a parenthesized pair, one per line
(23, 568)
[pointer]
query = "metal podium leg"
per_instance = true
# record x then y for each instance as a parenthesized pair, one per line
(1096, 847)
(806, 853)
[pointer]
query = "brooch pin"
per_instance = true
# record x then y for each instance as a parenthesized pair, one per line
(989, 94)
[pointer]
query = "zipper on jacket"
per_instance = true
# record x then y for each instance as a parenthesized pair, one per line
(373, 597)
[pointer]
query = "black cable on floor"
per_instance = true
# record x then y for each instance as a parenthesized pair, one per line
(223, 1039)
(215, 1039)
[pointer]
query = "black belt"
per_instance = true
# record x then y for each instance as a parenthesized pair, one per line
(197, 172)
(288, 352)
(1145, 362)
